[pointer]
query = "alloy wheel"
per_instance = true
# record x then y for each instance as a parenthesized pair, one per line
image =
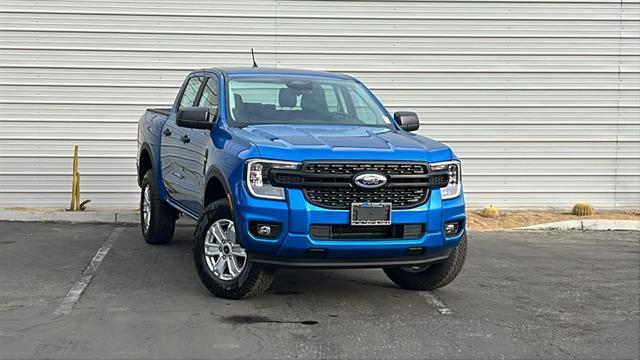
(146, 208)
(225, 257)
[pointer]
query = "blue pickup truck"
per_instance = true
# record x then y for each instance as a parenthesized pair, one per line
(303, 169)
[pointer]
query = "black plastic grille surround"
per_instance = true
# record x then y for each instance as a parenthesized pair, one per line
(399, 191)
(353, 168)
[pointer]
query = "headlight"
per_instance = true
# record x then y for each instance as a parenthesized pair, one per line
(258, 181)
(455, 178)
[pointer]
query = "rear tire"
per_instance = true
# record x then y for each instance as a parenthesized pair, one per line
(434, 276)
(230, 279)
(157, 218)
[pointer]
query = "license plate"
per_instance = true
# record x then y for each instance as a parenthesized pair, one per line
(367, 214)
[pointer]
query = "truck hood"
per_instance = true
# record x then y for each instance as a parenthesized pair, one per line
(316, 142)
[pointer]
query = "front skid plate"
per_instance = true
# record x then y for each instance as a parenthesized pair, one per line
(348, 263)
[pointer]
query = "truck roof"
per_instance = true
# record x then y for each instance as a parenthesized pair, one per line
(279, 71)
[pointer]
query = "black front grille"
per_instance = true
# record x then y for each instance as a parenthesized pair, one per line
(342, 198)
(402, 190)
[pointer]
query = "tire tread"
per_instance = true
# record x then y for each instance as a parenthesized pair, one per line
(434, 277)
(163, 216)
(258, 280)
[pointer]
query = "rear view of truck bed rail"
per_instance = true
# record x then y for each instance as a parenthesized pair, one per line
(161, 111)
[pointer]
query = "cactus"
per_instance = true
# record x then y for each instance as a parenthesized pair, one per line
(490, 212)
(75, 204)
(583, 209)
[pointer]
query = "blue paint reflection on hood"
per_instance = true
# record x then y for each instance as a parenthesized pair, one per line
(309, 142)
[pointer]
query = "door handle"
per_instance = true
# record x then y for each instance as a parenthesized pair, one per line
(167, 132)
(185, 139)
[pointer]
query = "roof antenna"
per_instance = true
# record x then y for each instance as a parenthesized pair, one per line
(254, 59)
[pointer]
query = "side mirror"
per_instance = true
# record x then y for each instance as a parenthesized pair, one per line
(194, 118)
(407, 120)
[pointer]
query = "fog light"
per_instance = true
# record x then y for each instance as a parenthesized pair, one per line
(267, 230)
(452, 228)
(264, 230)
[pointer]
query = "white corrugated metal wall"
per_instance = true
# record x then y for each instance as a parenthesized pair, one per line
(541, 99)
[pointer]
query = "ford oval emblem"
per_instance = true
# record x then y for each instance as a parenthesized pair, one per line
(370, 180)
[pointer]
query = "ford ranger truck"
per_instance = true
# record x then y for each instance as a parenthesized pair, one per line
(299, 169)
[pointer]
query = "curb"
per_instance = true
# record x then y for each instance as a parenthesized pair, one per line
(79, 217)
(587, 225)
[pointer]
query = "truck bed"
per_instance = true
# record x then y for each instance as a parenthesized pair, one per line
(162, 111)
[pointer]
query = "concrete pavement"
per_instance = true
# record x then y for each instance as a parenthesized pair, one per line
(521, 295)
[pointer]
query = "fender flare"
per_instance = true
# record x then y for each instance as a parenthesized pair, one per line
(215, 172)
(147, 147)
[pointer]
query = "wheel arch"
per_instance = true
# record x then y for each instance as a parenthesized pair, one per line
(145, 162)
(216, 187)
(215, 177)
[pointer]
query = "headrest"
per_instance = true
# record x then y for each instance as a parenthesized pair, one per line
(314, 100)
(287, 98)
(239, 112)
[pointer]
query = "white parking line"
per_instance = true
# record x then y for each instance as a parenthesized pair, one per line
(435, 301)
(69, 301)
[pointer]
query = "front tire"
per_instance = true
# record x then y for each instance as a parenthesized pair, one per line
(434, 276)
(223, 266)
(157, 218)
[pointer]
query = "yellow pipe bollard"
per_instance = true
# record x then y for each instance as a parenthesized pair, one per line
(75, 204)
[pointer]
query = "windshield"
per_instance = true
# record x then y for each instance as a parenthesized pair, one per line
(302, 100)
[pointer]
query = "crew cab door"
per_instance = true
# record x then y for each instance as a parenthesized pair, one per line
(194, 153)
(171, 143)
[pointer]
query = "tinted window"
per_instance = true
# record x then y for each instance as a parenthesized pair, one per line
(209, 96)
(190, 91)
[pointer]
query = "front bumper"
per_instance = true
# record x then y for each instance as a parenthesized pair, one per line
(295, 247)
(355, 263)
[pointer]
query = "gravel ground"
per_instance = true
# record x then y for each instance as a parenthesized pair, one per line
(519, 219)
(521, 295)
